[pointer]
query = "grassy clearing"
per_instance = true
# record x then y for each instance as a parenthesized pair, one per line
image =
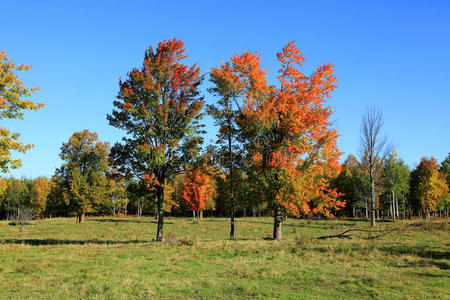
(111, 258)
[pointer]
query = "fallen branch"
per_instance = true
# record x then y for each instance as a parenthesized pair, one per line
(345, 235)
(341, 235)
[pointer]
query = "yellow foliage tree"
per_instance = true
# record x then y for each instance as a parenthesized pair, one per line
(39, 193)
(13, 102)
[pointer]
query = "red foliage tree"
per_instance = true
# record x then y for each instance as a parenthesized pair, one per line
(159, 107)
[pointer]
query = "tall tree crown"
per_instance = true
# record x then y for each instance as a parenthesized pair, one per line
(159, 106)
(287, 127)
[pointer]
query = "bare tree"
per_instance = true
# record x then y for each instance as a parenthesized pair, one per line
(23, 217)
(374, 150)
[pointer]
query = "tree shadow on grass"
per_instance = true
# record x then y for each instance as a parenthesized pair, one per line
(432, 275)
(434, 257)
(130, 220)
(417, 251)
(43, 242)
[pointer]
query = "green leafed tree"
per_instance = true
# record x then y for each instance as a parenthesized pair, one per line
(225, 112)
(159, 107)
(82, 177)
(396, 178)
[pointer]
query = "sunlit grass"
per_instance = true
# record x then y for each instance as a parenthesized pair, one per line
(116, 258)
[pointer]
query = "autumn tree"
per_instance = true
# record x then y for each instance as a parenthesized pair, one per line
(159, 107)
(83, 174)
(198, 190)
(428, 186)
(4, 182)
(13, 102)
(288, 132)
(117, 199)
(374, 150)
(40, 190)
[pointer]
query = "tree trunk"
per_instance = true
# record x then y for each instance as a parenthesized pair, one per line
(160, 195)
(367, 211)
(140, 207)
(193, 215)
(396, 207)
(372, 200)
(278, 218)
(80, 218)
(404, 209)
(230, 151)
(201, 214)
(391, 210)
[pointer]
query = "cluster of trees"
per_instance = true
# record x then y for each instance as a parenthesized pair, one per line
(275, 153)
(399, 191)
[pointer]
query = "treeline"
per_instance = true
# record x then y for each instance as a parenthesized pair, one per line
(401, 193)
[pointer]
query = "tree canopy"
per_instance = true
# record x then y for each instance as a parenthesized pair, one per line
(13, 102)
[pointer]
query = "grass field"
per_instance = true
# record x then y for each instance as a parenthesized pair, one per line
(115, 258)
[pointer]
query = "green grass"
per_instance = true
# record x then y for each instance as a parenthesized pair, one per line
(111, 258)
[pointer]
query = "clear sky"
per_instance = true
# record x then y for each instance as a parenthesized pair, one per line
(393, 55)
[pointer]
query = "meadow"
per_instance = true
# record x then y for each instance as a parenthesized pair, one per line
(116, 258)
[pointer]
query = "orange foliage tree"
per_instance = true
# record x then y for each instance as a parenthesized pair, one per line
(198, 189)
(288, 132)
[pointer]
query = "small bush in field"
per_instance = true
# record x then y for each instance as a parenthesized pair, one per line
(171, 237)
(186, 241)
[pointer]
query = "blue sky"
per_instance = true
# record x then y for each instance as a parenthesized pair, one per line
(389, 54)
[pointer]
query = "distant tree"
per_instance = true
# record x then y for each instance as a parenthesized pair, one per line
(3, 188)
(13, 102)
(117, 199)
(362, 186)
(287, 132)
(428, 186)
(396, 179)
(374, 150)
(198, 191)
(159, 107)
(17, 197)
(445, 169)
(40, 190)
(83, 174)
(139, 196)
(347, 186)
(23, 217)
